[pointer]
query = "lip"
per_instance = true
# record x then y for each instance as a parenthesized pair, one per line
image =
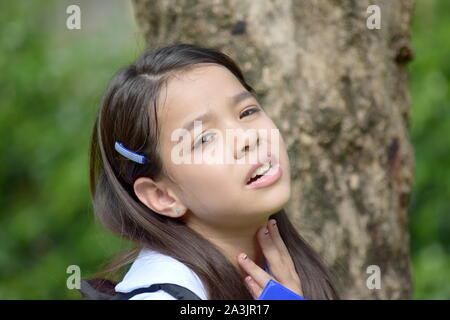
(272, 176)
(256, 166)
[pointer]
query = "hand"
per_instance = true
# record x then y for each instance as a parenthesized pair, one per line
(279, 260)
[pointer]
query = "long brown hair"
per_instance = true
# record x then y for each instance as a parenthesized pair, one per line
(128, 114)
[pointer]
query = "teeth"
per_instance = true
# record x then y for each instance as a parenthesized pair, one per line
(261, 170)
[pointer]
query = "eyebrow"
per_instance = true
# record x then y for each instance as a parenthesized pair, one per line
(206, 116)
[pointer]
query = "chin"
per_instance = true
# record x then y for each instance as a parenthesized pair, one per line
(277, 200)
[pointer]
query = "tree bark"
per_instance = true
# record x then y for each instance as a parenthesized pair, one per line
(338, 92)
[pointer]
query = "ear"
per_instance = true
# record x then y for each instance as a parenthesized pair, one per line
(156, 197)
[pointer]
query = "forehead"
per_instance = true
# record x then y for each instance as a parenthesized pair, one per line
(194, 91)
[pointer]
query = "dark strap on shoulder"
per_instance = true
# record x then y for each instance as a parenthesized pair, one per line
(94, 289)
(178, 292)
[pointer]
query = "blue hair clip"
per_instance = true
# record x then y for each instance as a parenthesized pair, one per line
(130, 154)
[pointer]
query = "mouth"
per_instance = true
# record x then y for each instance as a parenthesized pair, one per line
(261, 169)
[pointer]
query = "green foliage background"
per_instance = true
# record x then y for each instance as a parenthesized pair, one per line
(51, 82)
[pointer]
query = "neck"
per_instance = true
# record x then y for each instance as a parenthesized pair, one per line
(232, 242)
(231, 246)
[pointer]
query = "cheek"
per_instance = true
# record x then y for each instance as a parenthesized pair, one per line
(210, 191)
(215, 180)
(204, 178)
(276, 138)
(208, 177)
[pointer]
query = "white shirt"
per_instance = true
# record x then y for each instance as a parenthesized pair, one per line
(154, 267)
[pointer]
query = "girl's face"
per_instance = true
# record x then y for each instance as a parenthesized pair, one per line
(217, 194)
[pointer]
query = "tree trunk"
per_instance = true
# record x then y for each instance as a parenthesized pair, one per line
(338, 92)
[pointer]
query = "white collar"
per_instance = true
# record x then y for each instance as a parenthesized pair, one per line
(154, 267)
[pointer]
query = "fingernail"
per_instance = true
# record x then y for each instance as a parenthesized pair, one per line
(248, 278)
(244, 257)
(266, 231)
(274, 223)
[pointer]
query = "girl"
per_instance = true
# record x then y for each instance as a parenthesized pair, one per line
(210, 228)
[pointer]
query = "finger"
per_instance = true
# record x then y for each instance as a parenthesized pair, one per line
(276, 238)
(284, 262)
(254, 288)
(260, 276)
(269, 249)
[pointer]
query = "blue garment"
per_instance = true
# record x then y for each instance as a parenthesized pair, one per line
(275, 291)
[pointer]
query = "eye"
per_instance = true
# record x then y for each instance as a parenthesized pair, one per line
(251, 110)
(202, 139)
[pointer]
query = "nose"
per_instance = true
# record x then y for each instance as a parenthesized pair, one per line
(247, 142)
